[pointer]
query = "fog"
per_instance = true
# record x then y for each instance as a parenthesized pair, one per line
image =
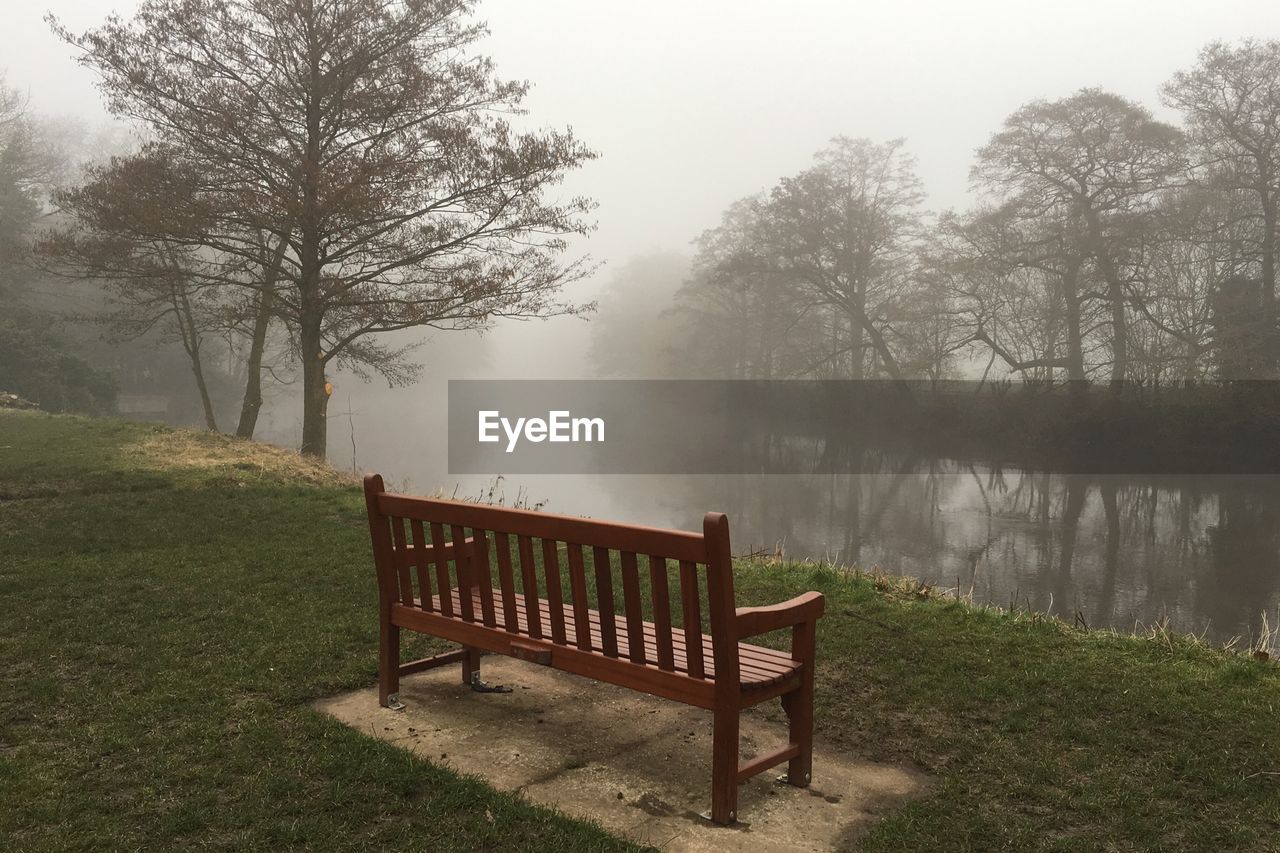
(694, 106)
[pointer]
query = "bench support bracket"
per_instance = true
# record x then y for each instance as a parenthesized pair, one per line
(394, 703)
(481, 686)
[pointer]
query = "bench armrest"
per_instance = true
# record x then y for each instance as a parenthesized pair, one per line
(751, 621)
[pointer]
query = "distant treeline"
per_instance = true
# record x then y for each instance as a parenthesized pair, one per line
(1106, 246)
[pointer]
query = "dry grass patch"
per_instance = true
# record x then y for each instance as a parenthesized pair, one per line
(239, 459)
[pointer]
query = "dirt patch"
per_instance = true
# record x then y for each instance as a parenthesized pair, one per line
(241, 459)
(640, 766)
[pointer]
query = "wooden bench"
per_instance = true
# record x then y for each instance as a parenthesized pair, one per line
(436, 560)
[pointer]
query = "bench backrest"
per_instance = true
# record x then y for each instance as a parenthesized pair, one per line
(417, 554)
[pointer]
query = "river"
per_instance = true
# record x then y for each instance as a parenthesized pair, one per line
(1202, 552)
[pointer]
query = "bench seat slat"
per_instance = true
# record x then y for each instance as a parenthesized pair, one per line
(758, 666)
(624, 673)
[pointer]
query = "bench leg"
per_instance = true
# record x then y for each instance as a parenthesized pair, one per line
(470, 664)
(799, 707)
(724, 767)
(388, 661)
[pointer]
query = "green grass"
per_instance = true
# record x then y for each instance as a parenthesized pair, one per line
(168, 617)
(162, 634)
(1041, 736)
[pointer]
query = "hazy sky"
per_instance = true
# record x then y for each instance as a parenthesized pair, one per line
(694, 104)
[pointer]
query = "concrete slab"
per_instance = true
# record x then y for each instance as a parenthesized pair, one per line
(640, 766)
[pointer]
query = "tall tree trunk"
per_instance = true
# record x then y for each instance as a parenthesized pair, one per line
(191, 343)
(1271, 345)
(860, 323)
(1075, 338)
(1119, 335)
(252, 403)
(315, 397)
(1115, 295)
(857, 362)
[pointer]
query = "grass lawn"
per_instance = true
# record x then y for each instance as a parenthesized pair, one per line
(173, 601)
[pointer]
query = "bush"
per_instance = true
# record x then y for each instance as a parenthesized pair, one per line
(35, 363)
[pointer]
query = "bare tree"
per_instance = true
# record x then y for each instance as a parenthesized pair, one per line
(844, 231)
(818, 277)
(37, 359)
(1016, 290)
(363, 136)
(1198, 240)
(1231, 103)
(19, 203)
(1094, 162)
(742, 318)
(132, 228)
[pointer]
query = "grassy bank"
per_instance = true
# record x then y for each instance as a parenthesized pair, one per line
(154, 692)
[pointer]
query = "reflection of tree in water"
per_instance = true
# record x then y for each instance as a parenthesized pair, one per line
(1245, 558)
(1119, 549)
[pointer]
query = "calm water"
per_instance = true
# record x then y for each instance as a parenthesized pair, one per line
(1202, 550)
(1118, 551)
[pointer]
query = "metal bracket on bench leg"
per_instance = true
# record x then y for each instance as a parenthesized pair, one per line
(394, 703)
(785, 778)
(481, 686)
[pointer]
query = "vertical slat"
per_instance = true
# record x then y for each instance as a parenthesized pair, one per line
(604, 601)
(462, 566)
(661, 612)
(384, 562)
(692, 618)
(728, 685)
(631, 604)
(529, 579)
(555, 595)
(482, 577)
(506, 581)
(442, 570)
(402, 562)
(578, 588)
(424, 571)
